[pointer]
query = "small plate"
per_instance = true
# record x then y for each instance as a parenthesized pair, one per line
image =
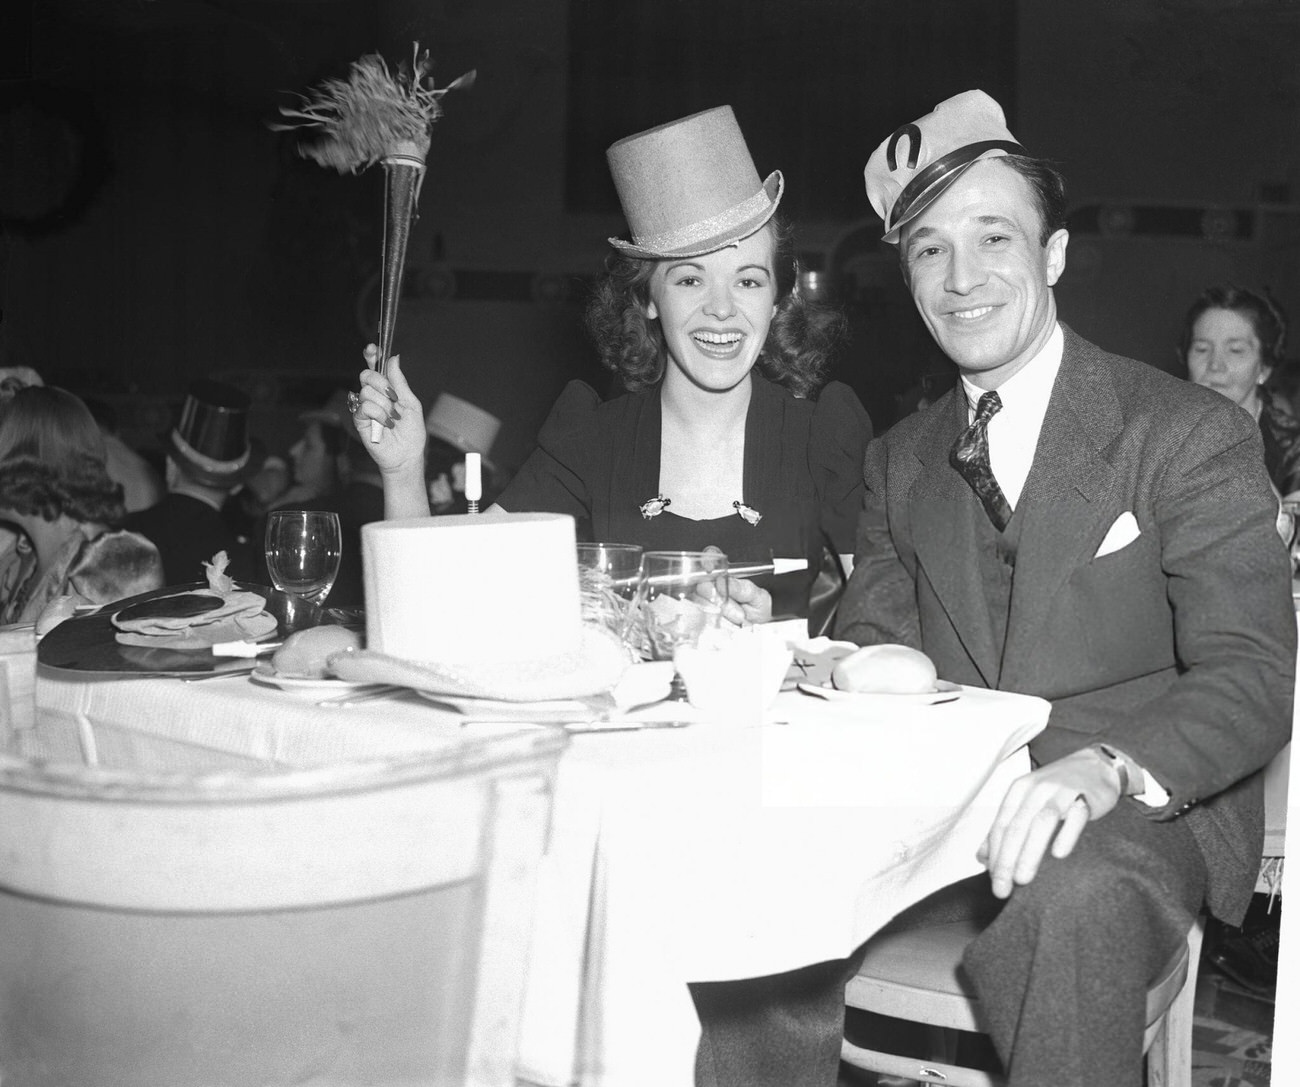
(943, 692)
(267, 676)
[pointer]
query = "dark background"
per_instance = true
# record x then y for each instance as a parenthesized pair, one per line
(155, 229)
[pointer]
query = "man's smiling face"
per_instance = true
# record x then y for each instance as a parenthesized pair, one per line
(979, 274)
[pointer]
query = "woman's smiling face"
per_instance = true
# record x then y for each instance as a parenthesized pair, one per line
(715, 311)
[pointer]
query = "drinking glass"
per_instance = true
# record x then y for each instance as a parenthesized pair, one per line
(608, 576)
(680, 597)
(303, 549)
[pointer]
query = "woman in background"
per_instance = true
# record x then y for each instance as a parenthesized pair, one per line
(55, 490)
(1232, 343)
(720, 439)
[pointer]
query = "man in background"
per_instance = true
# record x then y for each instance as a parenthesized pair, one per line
(209, 455)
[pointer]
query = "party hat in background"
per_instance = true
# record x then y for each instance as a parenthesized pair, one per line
(376, 115)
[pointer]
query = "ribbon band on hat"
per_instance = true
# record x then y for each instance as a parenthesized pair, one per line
(689, 187)
(959, 132)
(935, 172)
(688, 236)
(208, 464)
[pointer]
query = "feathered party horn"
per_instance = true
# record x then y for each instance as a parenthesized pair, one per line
(375, 116)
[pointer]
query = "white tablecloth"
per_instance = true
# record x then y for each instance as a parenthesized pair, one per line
(716, 853)
(686, 854)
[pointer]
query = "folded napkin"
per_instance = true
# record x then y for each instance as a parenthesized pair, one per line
(196, 618)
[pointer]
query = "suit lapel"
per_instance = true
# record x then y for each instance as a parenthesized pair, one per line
(1069, 491)
(943, 510)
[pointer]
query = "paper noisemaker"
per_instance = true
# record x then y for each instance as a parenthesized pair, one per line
(376, 115)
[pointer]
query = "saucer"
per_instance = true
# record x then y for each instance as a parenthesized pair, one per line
(266, 675)
(943, 692)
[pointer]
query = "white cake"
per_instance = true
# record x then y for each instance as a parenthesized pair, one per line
(473, 588)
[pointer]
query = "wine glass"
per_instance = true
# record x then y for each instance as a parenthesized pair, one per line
(679, 599)
(303, 549)
(608, 577)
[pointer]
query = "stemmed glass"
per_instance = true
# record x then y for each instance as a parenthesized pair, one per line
(303, 550)
(608, 576)
(680, 597)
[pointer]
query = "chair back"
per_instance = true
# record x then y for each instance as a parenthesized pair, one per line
(17, 679)
(359, 923)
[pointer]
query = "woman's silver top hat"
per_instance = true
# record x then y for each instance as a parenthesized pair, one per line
(689, 187)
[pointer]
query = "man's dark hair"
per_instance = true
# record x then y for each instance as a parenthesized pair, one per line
(1048, 185)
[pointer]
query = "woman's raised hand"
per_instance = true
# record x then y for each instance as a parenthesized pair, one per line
(389, 418)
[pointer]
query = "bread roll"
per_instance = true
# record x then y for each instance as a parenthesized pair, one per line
(885, 669)
(305, 652)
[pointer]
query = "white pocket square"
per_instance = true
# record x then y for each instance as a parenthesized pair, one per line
(1122, 533)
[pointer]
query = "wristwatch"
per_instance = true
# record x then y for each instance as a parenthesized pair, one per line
(1131, 779)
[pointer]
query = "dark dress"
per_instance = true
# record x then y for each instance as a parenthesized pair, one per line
(599, 462)
(1280, 430)
(187, 533)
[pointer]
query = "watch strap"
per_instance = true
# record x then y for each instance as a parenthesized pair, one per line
(1129, 782)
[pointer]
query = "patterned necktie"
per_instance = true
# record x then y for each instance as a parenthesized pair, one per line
(970, 456)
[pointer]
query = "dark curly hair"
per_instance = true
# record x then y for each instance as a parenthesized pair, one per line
(1264, 315)
(799, 341)
(52, 459)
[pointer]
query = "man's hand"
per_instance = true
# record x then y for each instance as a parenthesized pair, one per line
(746, 602)
(1048, 807)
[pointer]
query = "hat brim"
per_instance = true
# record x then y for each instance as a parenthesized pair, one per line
(333, 419)
(456, 442)
(773, 188)
(202, 475)
(594, 667)
(949, 170)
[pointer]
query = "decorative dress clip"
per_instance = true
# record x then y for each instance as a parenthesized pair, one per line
(659, 503)
(655, 506)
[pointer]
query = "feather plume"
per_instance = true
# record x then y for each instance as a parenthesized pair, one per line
(372, 113)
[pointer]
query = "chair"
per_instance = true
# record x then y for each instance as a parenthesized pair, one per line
(17, 679)
(345, 923)
(913, 975)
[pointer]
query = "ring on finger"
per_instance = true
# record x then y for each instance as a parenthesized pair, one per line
(354, 402)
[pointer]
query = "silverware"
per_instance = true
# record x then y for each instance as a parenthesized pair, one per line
(361, 695)
(585, 728)
(241, 670)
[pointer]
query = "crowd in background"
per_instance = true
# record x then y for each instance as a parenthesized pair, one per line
(189, 502)
(67, 472)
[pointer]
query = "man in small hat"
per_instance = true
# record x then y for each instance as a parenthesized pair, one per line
(208, 456)
(1082, 527)
(455, 428)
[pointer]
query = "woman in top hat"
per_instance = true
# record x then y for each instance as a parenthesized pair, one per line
(718, 440)
(55, 488)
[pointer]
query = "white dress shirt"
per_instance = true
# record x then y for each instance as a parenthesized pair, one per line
(1013, 432)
